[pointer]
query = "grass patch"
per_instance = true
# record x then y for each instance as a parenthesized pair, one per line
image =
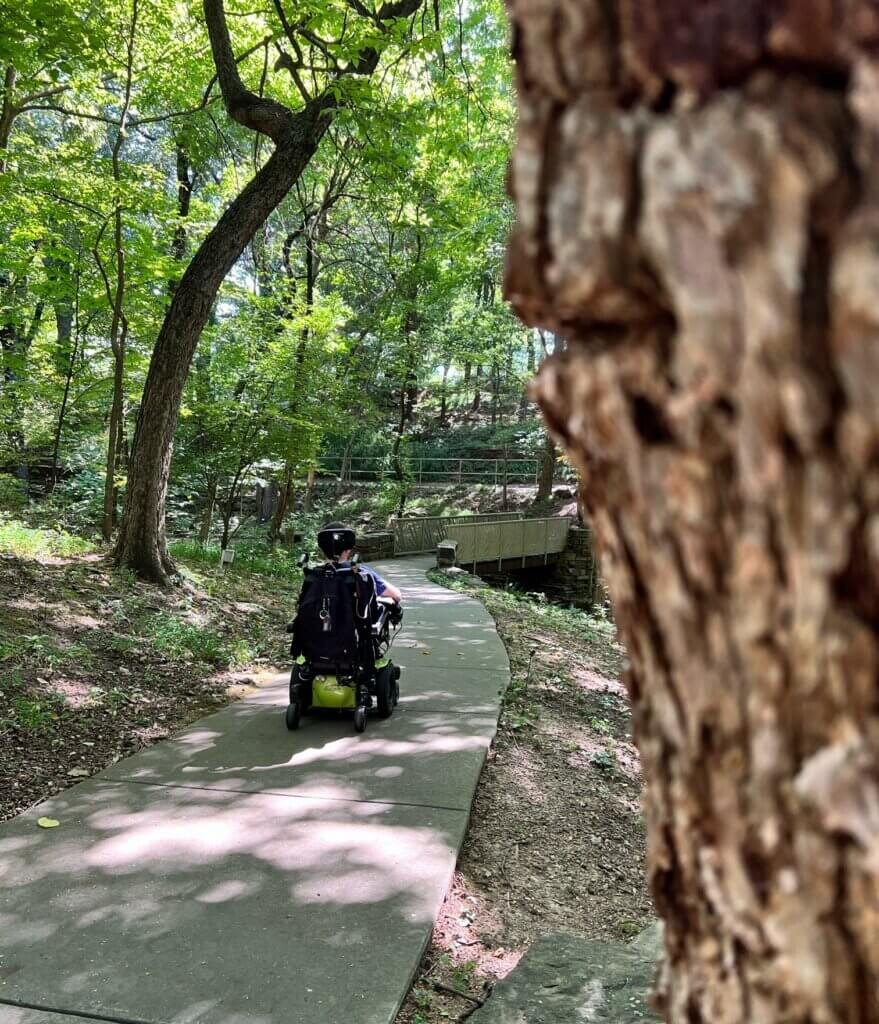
(33, 716)
(560, 620)
(16, 538)
(249, 558)
(186, 641)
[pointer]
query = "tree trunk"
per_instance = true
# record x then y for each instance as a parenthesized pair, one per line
(477, 394)
(547, 470)
(283, 503)
(699, 216)
(141, 544)
(207, 517)
(309, 491)
(345, 470)
(523, 398)
(226, 515)
(8, 112)
(113, 439)
(444, 393)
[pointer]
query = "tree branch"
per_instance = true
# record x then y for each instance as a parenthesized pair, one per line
(263, 115)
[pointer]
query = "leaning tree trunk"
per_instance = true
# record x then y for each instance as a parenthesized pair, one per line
(141, 544)
(699, 215)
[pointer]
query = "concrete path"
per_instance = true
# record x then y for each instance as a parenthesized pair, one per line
(241, 874)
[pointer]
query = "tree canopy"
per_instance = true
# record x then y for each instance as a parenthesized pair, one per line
(359, 313)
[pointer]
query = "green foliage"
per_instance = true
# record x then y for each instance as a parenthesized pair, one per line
(463, 974)
(604, 761)
(250, 557)
(18, 539)
(187, 641)
(365, 315)
(31, 715)
(13, 494)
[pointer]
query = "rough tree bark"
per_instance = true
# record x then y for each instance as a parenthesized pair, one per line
(142, 544)
(698, 213)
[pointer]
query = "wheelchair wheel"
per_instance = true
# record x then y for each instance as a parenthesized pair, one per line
(360, 719)
(304, 695)
(384, 694)
(294, 713)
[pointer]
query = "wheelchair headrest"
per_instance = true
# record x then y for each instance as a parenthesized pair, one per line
(335, 539)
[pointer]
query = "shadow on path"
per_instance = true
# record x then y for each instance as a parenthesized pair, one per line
(240, 874)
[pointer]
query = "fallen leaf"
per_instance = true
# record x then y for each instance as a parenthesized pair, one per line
(425, 652)
(78, 773)
(48, 823)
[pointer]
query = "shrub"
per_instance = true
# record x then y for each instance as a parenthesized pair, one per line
(13, 493)
(19, 539)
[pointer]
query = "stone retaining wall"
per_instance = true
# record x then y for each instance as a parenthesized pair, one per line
(576, 578)
(373, 547)
(564, 979)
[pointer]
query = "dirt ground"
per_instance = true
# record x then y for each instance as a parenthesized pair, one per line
(94, 666)
(556, 839)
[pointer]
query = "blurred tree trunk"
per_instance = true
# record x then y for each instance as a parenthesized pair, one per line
(698, 207)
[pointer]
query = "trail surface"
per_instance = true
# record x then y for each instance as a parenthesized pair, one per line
(241, 874)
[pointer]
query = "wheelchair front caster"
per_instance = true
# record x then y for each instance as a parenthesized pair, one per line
(360, 719)
(294, 713)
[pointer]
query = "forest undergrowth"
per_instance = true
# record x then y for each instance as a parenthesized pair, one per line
(95, 665)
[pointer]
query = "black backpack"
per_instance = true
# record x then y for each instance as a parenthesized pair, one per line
(334, 622)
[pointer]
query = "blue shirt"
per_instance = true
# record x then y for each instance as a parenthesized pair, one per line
(380, 584)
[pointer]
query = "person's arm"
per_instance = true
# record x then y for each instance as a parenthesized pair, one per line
(383, 588)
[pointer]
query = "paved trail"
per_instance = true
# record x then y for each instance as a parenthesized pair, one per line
(241, 874)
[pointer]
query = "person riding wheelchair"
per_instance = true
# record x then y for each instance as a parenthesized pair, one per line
(342, 635)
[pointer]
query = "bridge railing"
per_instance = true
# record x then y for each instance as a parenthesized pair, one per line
(436, 470)
(422, 534)
(506, 541)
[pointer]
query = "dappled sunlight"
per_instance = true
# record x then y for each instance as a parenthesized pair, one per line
(258, 847)
(586, 679)
(136, 867)
(355, 750)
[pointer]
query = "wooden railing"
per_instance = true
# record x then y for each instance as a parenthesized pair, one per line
(504, 542)
(422, 534)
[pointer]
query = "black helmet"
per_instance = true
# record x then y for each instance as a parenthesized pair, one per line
(335, 539)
